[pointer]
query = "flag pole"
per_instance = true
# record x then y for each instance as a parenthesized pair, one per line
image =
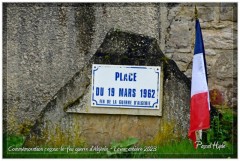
(199, 132)
(196, 13)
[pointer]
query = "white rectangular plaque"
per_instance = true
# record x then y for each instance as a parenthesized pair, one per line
(122, 86)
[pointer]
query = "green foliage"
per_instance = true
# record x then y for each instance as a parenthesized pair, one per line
(11, 140)
(16, 141)
(184, 149)
(221, 128)
(176, 149)
(119, 148)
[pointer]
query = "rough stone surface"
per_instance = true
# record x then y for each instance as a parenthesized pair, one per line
(228, 12)
(45, 44)
(54, 124)
(225, 69)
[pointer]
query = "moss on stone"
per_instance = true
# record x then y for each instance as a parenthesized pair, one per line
(58, 137)
(165, 60)
(25, 127)
(164, 135)
(106, 57)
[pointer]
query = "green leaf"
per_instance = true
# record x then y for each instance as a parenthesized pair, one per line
(129, 142)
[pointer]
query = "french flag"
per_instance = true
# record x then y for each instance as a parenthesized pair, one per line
(200, 104)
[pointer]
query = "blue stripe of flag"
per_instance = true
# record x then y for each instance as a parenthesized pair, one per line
(199, 45)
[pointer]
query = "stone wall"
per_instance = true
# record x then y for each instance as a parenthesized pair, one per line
(46, 44)
(219, 29)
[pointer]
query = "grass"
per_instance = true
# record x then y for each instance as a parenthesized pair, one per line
(184, 149)
(180, 149)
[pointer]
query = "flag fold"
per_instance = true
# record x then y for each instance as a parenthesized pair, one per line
(200, 104)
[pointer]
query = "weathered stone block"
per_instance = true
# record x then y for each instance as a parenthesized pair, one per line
(223, 76)
(228, 12)
(179, 40)
(205, 12)
(219, 39)
(55, 126)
